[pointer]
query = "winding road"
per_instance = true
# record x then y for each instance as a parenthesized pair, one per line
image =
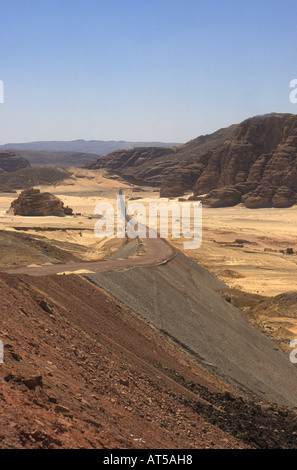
(157, 251)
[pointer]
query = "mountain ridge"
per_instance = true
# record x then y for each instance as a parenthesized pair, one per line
(151, 165)
(100, 147)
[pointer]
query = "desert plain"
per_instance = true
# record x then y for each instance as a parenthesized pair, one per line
(251, 251)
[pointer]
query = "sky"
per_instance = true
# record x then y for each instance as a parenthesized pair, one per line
(142, 70)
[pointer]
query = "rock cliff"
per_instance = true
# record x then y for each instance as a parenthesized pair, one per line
(259, 160)
(149, 166)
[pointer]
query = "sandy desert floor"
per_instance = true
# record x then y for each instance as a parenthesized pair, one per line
(248, 248)
(73, 233)
(245, 248)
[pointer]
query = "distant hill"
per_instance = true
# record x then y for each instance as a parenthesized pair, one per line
(82, 147)
(29, 177)
(11, 161)
(56, 159)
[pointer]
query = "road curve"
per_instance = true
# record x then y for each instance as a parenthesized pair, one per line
(156, 251)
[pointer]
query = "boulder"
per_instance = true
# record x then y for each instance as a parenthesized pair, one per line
(284, 197)
(260, 198)
(31, 202)
(223, 197)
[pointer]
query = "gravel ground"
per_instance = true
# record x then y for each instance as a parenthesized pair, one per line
(129, 249)
(181, 299)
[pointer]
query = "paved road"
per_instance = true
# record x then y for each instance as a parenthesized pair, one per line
(156, 252)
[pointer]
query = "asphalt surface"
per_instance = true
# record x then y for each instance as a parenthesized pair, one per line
(155, 251)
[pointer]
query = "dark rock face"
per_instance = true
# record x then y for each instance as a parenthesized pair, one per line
(259, 160)
(261, 150)
(10, 161)
(140, 165)
(246, 187)
(180, 181)
(150, 166)
(223, 197)
(284, 197)
(32, 202)
(261, 197)
(270, 196)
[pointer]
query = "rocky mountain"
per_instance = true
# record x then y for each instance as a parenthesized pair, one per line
(256, 166)
(140, 165)
(31, 202)
(151, 165)
(11, 161)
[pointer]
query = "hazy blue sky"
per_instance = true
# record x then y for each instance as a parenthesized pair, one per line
(165, 70)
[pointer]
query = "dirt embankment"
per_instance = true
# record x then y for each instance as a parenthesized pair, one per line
(20, 249)
(276, 316)
(81, 370)
(182, 299)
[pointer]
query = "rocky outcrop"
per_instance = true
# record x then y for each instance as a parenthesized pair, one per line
(180, 181)
(149, 166)
(223, 197)
(259, 160)
(140, 165)
(284, 197)
(261, 197)
(262, 149)
(11, 161)
(270, 196)
(32, 202)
